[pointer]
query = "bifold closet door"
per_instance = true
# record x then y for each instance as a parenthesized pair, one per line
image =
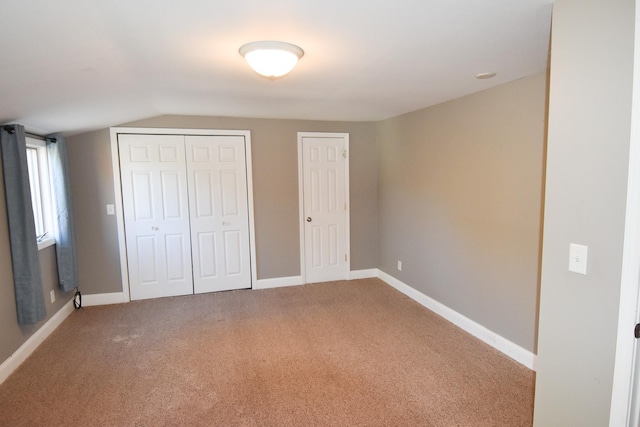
(156, 212)
(219, 212)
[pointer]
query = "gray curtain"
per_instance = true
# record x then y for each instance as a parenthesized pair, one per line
(27, 278)
(65, 237)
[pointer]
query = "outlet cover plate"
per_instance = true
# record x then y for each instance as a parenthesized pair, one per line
(578, 258)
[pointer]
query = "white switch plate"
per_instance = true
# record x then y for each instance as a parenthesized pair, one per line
(399, 265)
(111, 210)
(578, 258)
(52, 294)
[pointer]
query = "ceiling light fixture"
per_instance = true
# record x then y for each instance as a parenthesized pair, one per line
(271, 59)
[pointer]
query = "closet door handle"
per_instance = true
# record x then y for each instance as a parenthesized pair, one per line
(309, 219)
(155, 228)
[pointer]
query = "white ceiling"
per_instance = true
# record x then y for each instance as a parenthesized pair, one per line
(75, 65)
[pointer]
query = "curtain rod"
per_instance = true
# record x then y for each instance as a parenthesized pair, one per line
(34, 136)
(11, 130)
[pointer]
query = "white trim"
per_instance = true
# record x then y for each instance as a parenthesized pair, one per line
(104, 299)
(514, 351)
(252, 229)
(115, 160)
(363, 274)
(303, 267)
(117, 189)
(278, 282)
(29, 346)
(45, 243)
(496, 341)
(345, 137)
(622, 395)
(44, 211)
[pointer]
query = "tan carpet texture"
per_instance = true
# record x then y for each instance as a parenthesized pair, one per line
(354, 353)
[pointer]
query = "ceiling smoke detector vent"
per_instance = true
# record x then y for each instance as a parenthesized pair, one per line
(271, 59)
(484, 76)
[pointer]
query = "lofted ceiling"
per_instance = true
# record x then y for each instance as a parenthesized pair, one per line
(71, 66)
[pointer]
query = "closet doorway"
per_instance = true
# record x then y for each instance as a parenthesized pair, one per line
(187, 211)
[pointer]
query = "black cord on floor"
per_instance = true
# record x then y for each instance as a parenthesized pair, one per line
(77, 299)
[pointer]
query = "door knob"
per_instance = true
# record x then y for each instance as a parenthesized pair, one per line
(308, 219)
(155, 228)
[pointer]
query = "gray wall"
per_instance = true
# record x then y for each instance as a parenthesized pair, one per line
(91, 175)
(587, 164)
(459, 203)
(275, 184)
(454, 191)
(12, 335)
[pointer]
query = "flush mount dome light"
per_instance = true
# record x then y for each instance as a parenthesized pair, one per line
(271, 59)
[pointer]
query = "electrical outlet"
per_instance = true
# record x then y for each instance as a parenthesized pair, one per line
(52, 294)
(111, 210)
(399, 265)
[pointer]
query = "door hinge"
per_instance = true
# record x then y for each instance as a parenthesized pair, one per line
(345, 206)
(636, 332)
(344, 154)
(345, 257)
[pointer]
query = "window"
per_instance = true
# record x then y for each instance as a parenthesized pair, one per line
(38, 165)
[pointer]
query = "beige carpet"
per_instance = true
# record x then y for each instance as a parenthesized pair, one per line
(355, 353)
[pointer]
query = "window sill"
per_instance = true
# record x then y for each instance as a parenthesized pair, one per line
(45, 243)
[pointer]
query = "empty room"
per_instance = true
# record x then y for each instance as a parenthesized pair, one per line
(320, 213)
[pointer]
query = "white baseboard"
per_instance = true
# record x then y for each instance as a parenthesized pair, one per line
(104, 299)
(278, 282)
(25, 350)
(496, 341)
(363, 274)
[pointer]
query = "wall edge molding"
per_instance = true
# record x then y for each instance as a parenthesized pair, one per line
(363, 274)
(508, 348)
(104, 299)
(278, 282)
(33, 342)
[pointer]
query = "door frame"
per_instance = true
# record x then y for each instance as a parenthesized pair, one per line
(345, 137)
(117, 187)
(624, 402)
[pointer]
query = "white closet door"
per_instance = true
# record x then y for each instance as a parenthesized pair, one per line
(324, 167)
(219, 212)
(156, 211)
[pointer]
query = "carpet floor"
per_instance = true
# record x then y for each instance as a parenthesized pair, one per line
(348, 353)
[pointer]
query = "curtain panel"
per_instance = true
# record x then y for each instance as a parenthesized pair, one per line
(64, 235)
(27, 277)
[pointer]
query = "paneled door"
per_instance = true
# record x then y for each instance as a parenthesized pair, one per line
(219, 212)
(325, 213)
(156, 213)
(186, 213)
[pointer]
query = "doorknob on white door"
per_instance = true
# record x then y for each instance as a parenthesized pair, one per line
(225, 223)
(308, 219)
(155, 228)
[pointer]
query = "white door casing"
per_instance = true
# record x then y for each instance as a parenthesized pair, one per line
(156, 212)
(249, 265)
(219, 212)
(324, 206)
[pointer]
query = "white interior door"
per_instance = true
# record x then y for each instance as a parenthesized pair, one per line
(325, 213)
(635, 391)
(155, 200)
(219, 212)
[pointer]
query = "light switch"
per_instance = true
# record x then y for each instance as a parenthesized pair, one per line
(578, 258)
(111, 210)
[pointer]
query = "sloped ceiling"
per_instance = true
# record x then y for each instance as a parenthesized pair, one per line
(71, 66)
